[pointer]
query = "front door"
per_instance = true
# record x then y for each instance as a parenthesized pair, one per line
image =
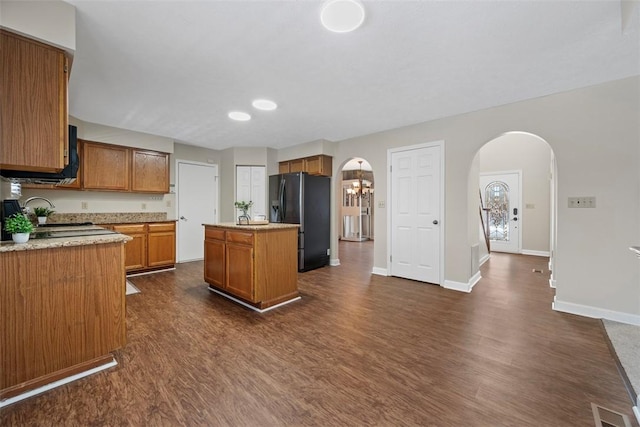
(416, 216)
(501, 194)
(197, 189)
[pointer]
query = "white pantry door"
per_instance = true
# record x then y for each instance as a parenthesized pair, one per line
(415, 199)
(251, 186)
(501, 194)
(197, 188)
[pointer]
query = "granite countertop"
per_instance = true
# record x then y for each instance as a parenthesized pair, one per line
(110, 217)
(269, 226)
(58, 242)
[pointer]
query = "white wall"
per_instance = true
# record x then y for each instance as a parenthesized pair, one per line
(531, 155)
(52, 22)
(594, 133)
(117, 136)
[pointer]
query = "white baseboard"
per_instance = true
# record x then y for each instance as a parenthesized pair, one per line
(595, 312)
(463, 287)
(636, 411)
(379, 271)
(150, 272)
(334, 262)
(484, 259)
(58, 383)
(552, 283)
(535, 253)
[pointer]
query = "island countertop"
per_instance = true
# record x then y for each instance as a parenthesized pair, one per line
(58, 242)
(254, 227)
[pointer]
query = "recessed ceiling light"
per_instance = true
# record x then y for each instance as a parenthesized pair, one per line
(239, 116)
(264, 104)
(342, 16)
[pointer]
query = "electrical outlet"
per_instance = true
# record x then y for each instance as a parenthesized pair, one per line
(582, 202)
(144, 206)
(84, 205)
(529, 206)
(168, 203)
(381, 204)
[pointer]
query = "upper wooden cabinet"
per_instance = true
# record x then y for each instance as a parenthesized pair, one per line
(34, 80)
(149, 171)
(313, 165)
(118, 168)
(105, 167)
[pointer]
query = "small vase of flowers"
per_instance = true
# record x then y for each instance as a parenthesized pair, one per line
(19, 226)
(244, 207)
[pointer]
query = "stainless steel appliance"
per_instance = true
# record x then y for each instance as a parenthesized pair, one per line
(300, 198)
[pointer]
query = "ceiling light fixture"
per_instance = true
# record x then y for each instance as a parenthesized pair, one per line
(264, 104)
(239, 116)
(342, 16)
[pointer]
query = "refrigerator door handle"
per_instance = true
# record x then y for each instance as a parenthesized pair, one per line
(283, 202)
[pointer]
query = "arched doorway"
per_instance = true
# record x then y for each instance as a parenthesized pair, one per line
(519, 217)
(357, 198)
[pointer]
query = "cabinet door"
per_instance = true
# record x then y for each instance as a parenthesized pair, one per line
(33, 78)
(161, 242)
(214, 262)
(283, 167)
(105, 167)
(296, 165)
(239, 274)
(135, 249)
(149, 171)
(318, 165)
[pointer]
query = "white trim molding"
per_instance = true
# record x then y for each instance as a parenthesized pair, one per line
(334, 262)
(463, 287)
(595, 312)
(380, 271)
(535, 253)
(484, 259)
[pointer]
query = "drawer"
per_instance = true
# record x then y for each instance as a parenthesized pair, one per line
(214, 233)
(130, 228)
(240, 237)
(164, 226)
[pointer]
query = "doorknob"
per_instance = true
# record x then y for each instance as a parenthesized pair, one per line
(183, 218)
(435, 222)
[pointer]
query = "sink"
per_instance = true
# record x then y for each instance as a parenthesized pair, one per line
(65, 224)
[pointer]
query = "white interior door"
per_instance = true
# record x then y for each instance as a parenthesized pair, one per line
(501, 194)
(197, 188)
(416, 214)
(251, 186)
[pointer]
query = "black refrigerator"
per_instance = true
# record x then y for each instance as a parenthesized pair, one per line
(300, 198)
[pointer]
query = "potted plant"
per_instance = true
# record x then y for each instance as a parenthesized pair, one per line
(19, 226)
(244, 207)
(42, 214)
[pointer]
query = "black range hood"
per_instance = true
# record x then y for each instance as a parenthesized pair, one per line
(66, 176)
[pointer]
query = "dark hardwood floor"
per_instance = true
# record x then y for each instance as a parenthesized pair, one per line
(358, 349)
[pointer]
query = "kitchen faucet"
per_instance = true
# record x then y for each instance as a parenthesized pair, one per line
(25, 208)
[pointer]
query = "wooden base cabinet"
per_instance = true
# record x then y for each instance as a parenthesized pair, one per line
(256, 264)
(62, 312)
(153, 245)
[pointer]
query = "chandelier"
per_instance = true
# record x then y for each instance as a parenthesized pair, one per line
(362, 187)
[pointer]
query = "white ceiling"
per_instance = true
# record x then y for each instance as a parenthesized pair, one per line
(176, 68)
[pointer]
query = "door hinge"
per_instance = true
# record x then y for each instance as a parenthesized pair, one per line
(66, 68)
(66, 152)
(390, 258)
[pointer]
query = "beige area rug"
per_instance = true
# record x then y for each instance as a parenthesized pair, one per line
(625, 340)
(131, 289)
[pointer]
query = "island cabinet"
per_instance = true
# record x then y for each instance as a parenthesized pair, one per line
(257, 264)
(34, 80)
(62, 310)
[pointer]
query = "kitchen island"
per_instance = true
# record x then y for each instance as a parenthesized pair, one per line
(62, 307)
(254, 265)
